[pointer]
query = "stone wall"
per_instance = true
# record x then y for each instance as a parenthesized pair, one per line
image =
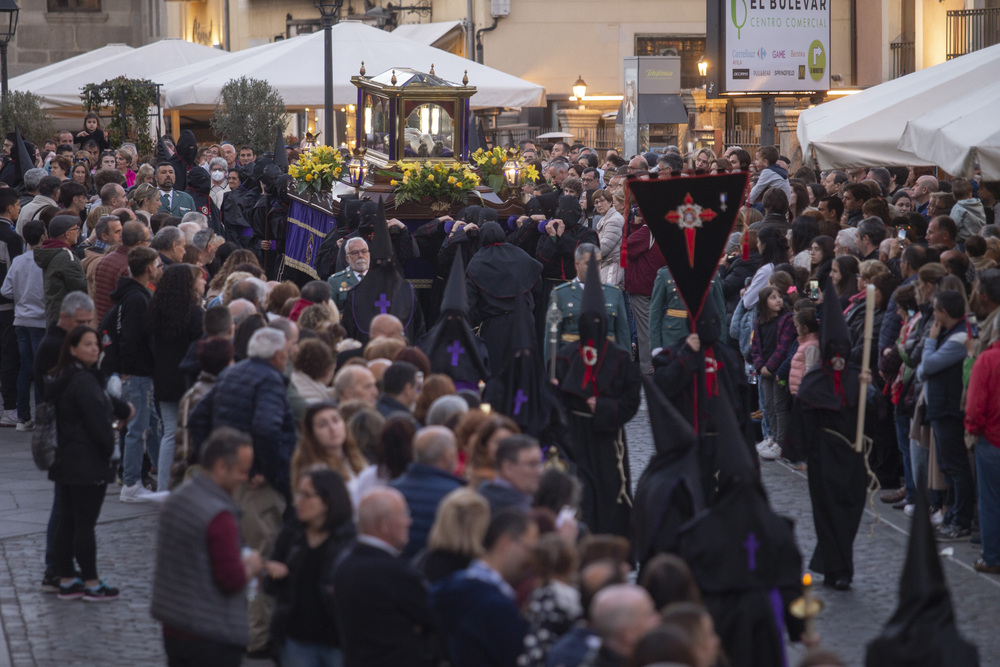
(45, 37)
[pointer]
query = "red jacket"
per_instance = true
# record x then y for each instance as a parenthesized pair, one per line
(982, 403)
(109, 269)
(644, 260)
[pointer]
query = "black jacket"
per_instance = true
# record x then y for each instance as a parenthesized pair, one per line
(291, 548)
(382, 610)
(169, 381)
(135, 355)
(86, 441)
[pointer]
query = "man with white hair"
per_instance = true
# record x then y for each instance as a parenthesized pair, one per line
(427, 480)
(381, 601)
(621, 615)
(197, 218)
(846, 242)
(251, 396)
(241, 309)
(358, 259)
(188, 229)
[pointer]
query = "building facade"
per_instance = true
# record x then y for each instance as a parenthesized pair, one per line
(52, 30)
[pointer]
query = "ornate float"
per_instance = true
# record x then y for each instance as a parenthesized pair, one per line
(412, 153)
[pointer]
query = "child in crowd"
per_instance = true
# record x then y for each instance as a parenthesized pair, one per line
(772, 336)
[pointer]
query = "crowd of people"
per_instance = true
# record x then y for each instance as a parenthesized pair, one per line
(352, 472)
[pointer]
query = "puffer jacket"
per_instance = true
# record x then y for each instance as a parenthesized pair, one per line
(86, 441)
(610, 230)
(251, 396)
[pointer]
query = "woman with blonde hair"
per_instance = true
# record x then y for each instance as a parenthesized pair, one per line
(144, 174)
(323, 439)
(456, 537)
(123, 161)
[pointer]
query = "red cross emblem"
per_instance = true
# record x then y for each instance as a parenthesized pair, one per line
(689, 217)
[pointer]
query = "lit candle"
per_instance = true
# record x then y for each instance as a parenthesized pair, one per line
(486, 407)
(807, 606)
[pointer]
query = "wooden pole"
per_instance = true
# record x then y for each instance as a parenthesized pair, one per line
(866, 355)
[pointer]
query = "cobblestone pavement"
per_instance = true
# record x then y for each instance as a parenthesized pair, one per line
(40, 630)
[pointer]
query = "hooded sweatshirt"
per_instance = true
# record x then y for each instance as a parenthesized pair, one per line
(969, 216)
(772, 176)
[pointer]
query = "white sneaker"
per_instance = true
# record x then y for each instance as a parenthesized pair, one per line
(137, 493)
(909, 508)
(765, 444)
(25, 426)
(771, 453)
(8, 418)
(937, 518)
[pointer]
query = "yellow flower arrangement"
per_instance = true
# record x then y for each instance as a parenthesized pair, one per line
(316, 170)
(441, 182)
(490, 164)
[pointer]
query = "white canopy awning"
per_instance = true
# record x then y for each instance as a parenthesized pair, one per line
(146, 62)
(430, 34)
(865, 129)
(295, 68)
(959, 133)
(38, 77)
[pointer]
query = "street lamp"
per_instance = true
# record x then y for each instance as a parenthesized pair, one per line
(703, 67)
(8, 26)
(328, 10)
(512, 170)
(357, 169)
(579, 89)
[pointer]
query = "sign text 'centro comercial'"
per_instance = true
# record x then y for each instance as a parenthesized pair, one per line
(774, 46)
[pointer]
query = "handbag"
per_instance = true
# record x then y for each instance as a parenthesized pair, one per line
(43, 437)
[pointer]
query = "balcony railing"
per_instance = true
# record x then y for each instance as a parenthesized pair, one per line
(903, 58)
(972, 29)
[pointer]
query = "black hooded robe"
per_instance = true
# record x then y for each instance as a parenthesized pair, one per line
(199, 186)
(497, 276)
(595, 442)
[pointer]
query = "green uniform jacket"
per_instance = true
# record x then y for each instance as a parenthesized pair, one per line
(342, 282)
(567, 298)
(668, 318)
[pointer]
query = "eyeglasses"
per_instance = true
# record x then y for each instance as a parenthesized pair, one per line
(588, 179)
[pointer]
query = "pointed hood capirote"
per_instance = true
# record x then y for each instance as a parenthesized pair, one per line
(521, 390)
(280, 154)
(669, 492)
(450, 345)
(25, 161)
(922, 631)
(593, 311)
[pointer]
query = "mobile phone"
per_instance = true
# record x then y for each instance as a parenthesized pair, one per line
(813, 290)
(901, 234)
(566, 514)
(972, 326)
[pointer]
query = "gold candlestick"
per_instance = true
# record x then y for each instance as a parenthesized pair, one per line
(808, 606)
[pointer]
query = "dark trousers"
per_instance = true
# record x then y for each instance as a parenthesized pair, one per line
(10, 360)
(28, 339)
(79, 507)
(953, 457)
(201, 653)
(51, 567)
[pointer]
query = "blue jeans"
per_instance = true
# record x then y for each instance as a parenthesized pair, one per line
(903, 442)
(988, 478)
(953, 457)
(764, 428)
(144, 429)
(303, 654)
(28, 339)
(165, 461)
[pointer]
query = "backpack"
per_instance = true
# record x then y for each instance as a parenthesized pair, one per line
(110, 331)
(43, 437)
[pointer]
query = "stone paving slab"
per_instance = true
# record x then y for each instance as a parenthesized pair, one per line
(42, 631)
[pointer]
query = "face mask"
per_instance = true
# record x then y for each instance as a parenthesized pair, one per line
(218, 175)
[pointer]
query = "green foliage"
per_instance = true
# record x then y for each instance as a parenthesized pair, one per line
(251, 112)
(125, 104)
(23, 111)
